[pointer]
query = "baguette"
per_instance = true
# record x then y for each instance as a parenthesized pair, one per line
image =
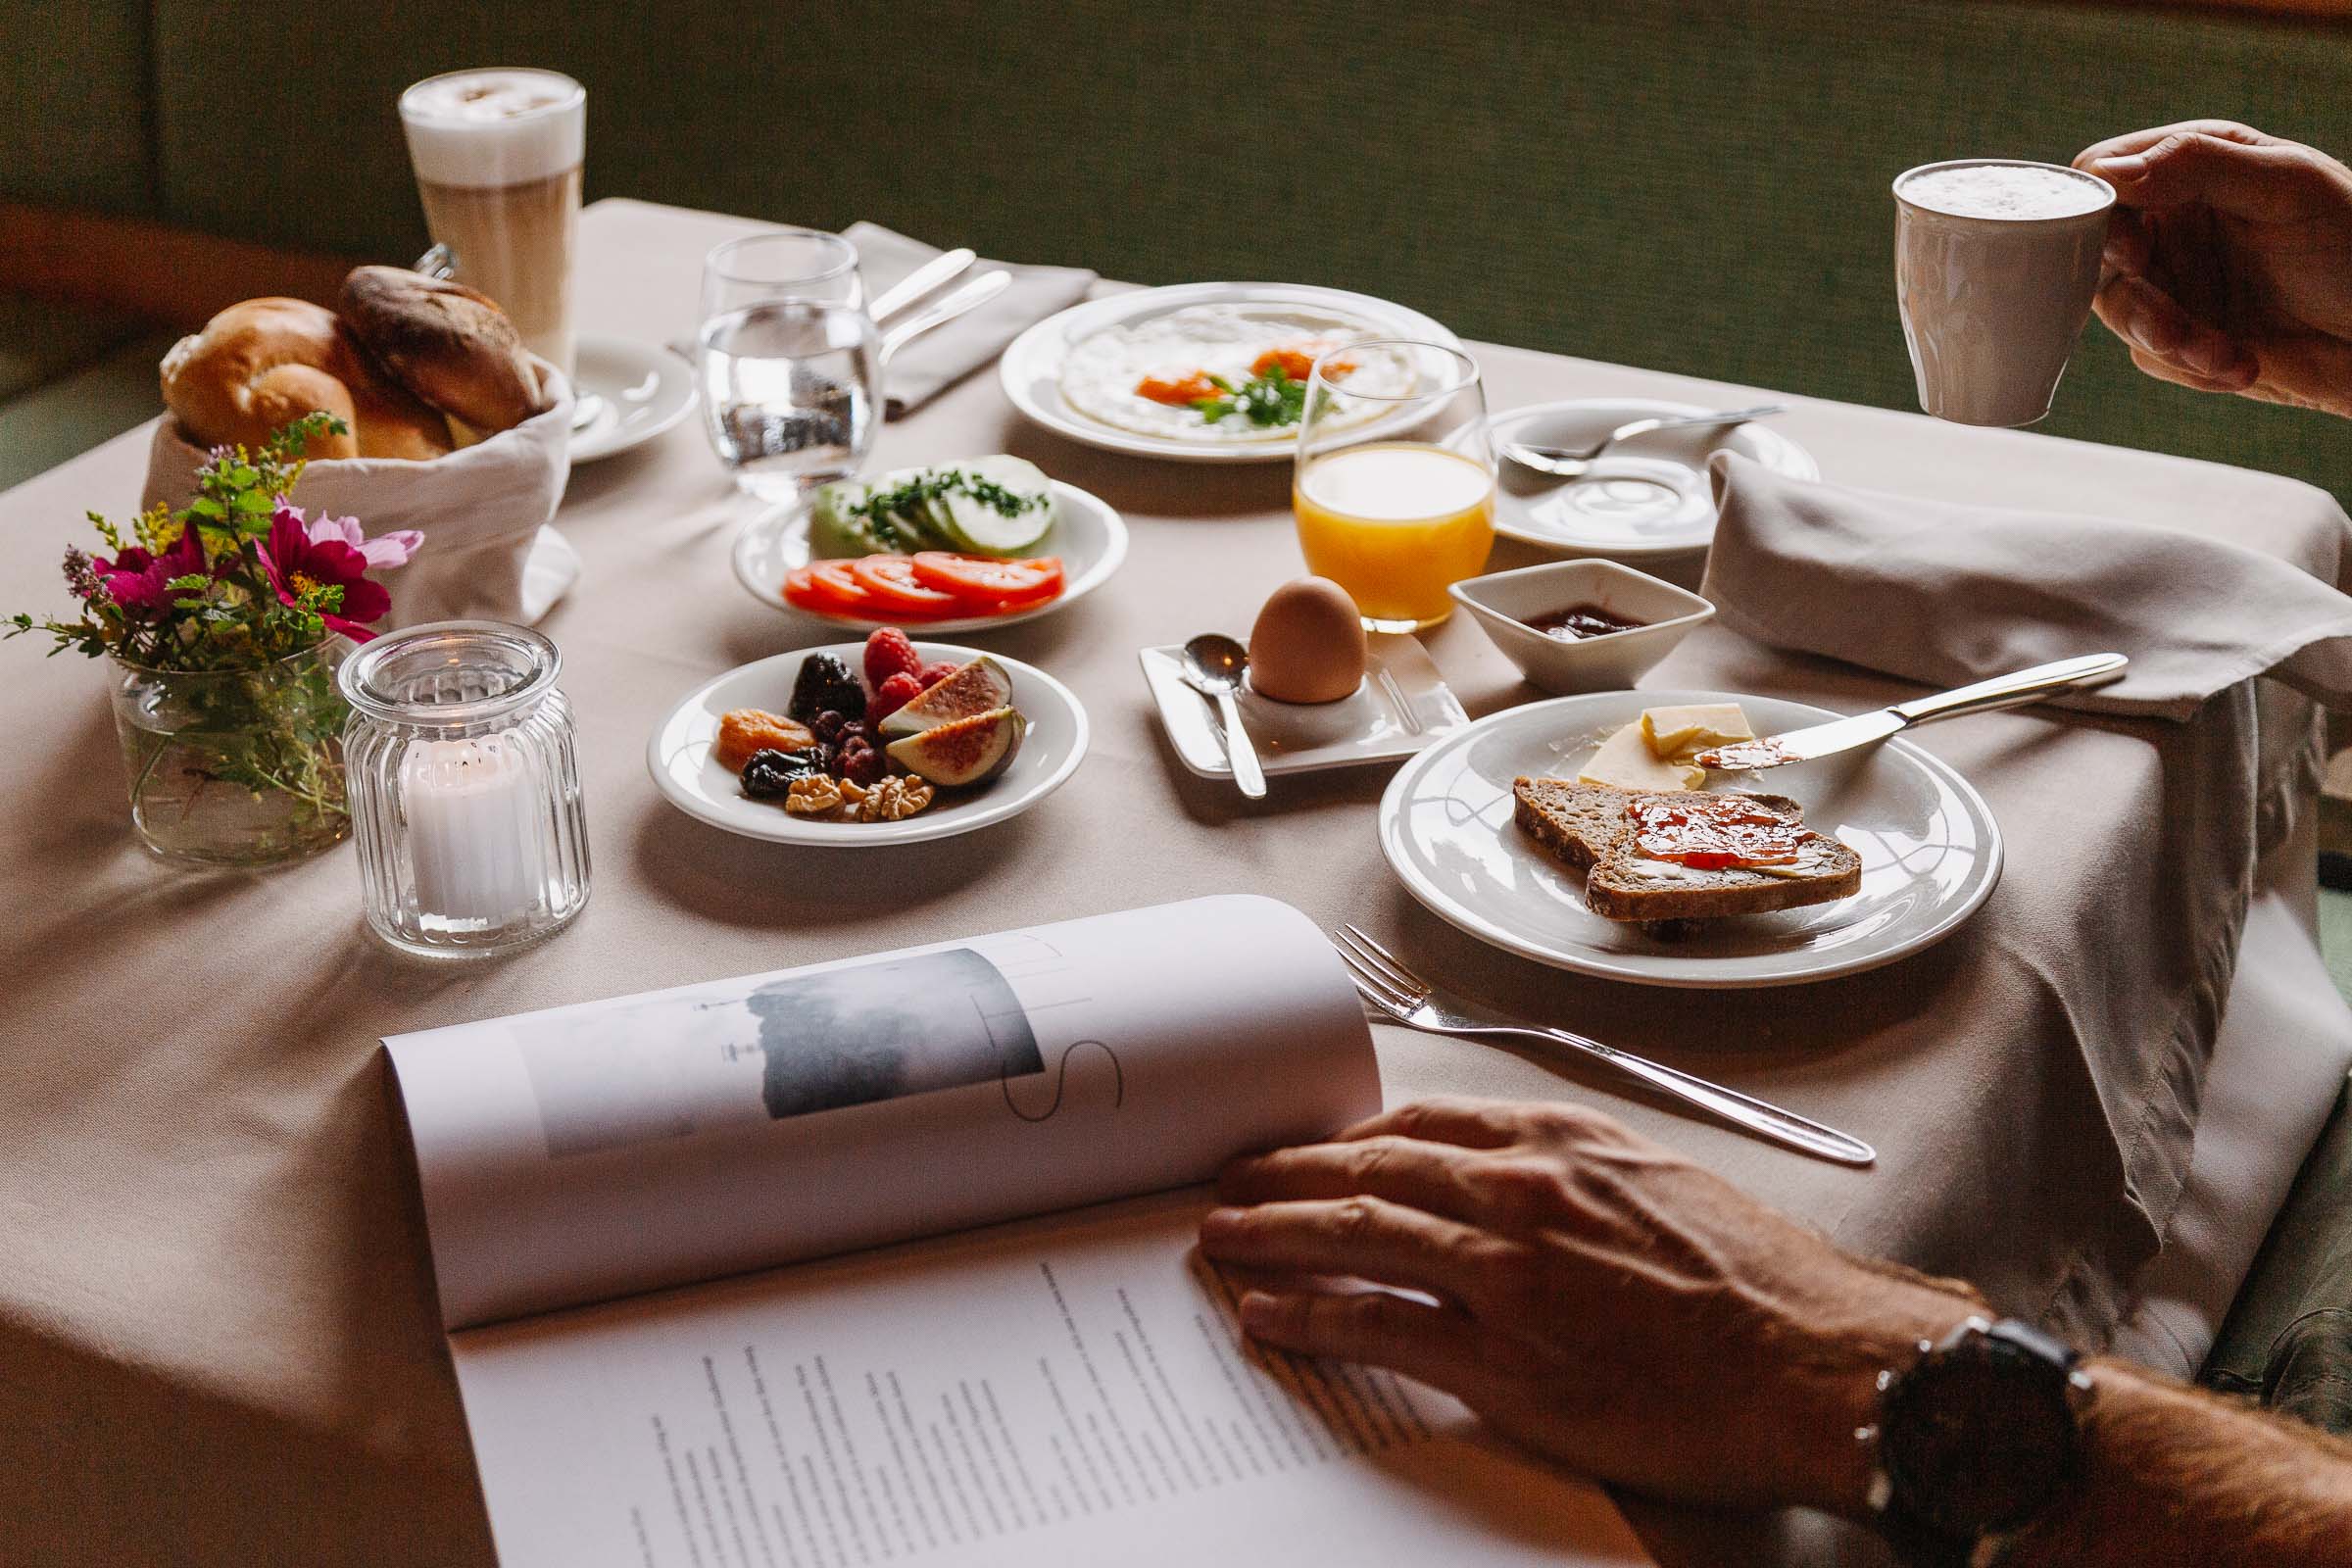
(1585, 827)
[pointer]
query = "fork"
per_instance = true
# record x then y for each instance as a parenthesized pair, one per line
(1384, 982)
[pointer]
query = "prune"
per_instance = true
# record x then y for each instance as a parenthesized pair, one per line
(768, 776)
(826, 684)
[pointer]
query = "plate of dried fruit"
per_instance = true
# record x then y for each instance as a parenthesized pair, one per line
(886, 741)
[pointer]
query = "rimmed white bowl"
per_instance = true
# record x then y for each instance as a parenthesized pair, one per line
(678, 756)
(1088, 535)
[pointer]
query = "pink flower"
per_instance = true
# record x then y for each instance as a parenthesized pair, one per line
(135, 579)
(333, 552)
(385, 550)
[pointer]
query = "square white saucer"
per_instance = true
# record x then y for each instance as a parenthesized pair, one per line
(1402, 706)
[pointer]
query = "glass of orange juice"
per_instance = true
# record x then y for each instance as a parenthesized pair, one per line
(1394, 488)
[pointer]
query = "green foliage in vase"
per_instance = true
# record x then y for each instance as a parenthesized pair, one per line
(224, 612)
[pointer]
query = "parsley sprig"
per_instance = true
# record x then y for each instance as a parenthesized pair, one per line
(1267, 400)
(883, 509)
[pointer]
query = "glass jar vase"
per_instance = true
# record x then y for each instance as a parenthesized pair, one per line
(464, 788)
(235, 766)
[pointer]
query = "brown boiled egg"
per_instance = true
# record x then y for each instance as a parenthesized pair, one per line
(1308, 644)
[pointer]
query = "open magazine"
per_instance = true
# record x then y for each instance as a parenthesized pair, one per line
(614, 1192)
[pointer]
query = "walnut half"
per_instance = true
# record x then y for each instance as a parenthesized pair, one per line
(892, 799)
(814, 796)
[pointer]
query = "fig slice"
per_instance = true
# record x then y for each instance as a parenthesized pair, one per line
(962, 750)
(979, 687)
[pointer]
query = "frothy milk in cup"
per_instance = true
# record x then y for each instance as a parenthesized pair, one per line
(498, 156)
(1995, 263)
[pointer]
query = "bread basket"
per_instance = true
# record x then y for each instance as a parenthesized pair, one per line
(488, 552)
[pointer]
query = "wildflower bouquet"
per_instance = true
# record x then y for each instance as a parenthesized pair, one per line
(228, 620)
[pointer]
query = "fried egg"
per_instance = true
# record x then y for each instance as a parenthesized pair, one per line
(1141, 375)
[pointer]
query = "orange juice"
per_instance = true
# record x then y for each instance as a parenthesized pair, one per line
(1395, 523)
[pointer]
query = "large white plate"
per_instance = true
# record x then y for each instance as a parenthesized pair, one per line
(1088, 535)
(1931, 850)
(641, 389)
(1031, 367)
(679, 756)
(1646, 497)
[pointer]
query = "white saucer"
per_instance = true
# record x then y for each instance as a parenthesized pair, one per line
(1031, 366)
(641, 389)
(1402, 706)
(1646, 497)
(1088, 535)
(1931, 850)
(678, 756)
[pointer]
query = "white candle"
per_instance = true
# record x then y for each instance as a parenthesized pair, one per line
(476, 836)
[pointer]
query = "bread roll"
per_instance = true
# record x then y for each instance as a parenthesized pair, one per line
(451, 346)
(260, 366)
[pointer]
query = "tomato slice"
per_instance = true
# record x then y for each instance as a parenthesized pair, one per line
(828, 588)
(991, 586)
(890, 581)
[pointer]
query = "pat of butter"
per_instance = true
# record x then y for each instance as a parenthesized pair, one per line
(1626, 762)
(1677, 733)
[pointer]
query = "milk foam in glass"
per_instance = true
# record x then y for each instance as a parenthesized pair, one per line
(498, 156)
(1995, 263)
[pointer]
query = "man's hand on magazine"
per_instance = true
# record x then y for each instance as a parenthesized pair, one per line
(1589, 1292)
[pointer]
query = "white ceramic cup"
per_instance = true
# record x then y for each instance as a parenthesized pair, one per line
(1995, 263)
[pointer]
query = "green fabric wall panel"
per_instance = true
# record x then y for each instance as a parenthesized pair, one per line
(75, 128)
(1697, 186)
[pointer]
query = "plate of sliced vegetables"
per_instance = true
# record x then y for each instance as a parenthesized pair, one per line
(948, 547)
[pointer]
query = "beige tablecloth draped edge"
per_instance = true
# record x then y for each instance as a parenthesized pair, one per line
(2153, 894)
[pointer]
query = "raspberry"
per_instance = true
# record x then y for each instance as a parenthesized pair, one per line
(888, 653)
(932, 674)
(891, 695)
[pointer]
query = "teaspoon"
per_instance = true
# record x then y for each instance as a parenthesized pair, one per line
(1213, 666)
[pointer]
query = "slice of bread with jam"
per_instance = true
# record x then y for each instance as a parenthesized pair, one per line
(1587, 827)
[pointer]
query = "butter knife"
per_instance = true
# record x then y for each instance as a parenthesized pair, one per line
(1981, 697)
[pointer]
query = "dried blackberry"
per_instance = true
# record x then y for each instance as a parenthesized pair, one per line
(768, 776)
(823, 685)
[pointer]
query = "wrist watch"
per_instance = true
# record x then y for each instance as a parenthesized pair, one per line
(1972, 1441)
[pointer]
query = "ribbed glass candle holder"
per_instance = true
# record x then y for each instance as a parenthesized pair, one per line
(464, 788)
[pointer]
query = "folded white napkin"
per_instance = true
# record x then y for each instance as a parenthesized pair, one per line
(488, 552)
(945, 354)
(1946, 594)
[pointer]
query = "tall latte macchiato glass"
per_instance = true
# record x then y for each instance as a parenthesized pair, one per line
(1995, 263)
(498, 155)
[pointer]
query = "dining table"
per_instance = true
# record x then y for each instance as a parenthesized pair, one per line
(219, 1339)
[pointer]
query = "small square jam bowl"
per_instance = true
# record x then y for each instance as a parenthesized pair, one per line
(1504, 602)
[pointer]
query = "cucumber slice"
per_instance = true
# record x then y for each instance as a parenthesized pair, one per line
(986, 529)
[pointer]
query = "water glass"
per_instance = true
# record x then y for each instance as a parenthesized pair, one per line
(789, 363)
(1395, 487)
(464, 788)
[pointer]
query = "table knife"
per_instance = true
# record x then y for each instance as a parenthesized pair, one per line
(1862, 729)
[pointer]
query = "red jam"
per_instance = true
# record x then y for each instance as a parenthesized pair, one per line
(1741, 755)
(1579, 622)
(1711, 832)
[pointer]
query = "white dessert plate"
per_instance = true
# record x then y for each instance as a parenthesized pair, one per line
(1088, 535)
(641, 389)
(1031, 366)
(1402, 706)
(679, 756)
(1931, 850)
(1646, 496)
